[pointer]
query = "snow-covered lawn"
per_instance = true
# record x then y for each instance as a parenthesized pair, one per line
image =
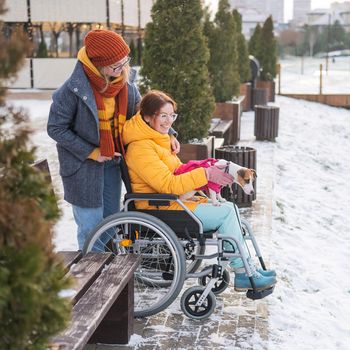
(311, 228)
(303, 75)
(310, 308)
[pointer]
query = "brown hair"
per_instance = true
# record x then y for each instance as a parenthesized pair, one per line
(153, 101)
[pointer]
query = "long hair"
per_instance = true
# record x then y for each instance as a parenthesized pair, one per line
(125, 75)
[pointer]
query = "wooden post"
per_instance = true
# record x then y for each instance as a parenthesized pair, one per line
(279, 77)
(321, 67)
(302, 65)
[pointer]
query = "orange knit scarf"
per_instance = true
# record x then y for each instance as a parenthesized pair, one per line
(119, 90)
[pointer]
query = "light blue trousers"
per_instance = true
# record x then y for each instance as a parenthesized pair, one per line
(226, 220)
(88, 218)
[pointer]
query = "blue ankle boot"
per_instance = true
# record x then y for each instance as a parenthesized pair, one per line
(242, 282)
(267, 273)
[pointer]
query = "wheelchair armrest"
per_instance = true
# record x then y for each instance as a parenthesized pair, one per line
(152, 196)
(156, 199)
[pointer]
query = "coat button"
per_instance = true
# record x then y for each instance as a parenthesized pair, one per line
(84, 98)
(75, 89)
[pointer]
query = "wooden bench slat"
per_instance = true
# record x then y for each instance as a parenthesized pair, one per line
(223, 130)
(223, 126)
(69, 257)
(93, 306)
(86, 272)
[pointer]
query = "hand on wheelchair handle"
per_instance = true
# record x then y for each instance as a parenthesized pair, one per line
(218, 176)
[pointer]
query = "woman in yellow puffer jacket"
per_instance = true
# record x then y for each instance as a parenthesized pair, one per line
(151, 165)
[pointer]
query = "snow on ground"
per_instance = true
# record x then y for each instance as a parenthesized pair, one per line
(311, 228)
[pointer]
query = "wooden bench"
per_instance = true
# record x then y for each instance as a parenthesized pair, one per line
(231, 110)
(222, 129)
(43, 166)
(102, 298)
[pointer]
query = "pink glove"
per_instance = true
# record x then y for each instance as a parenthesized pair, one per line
(218, 176)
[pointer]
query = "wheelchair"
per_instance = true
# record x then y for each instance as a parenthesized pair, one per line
(172, 245)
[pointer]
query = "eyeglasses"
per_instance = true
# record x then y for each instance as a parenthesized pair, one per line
(164, 116)
(120, 66)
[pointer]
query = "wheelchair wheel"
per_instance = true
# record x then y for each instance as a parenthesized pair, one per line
(161, 273)
(220, 286)
(189, 300)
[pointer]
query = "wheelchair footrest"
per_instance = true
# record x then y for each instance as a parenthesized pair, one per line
(259, 294)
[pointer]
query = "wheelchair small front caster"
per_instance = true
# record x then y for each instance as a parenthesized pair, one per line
(189, 300)
(220, 285)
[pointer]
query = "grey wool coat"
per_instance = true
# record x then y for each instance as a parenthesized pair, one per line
(73, 124)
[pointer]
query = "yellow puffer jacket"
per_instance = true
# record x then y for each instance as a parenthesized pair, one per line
(151, 165)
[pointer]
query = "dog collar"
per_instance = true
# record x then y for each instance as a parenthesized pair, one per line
(227, 167)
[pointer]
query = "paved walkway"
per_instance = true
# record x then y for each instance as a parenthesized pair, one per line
(237, 322)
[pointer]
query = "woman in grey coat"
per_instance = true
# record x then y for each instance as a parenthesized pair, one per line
(86, 118)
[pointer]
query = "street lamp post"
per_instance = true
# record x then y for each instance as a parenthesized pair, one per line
(108, 23)
(30, 35)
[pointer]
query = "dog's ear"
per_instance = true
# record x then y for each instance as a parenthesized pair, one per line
(241, 173)
(254, 173)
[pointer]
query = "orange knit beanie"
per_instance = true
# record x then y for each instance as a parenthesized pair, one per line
(105, 47)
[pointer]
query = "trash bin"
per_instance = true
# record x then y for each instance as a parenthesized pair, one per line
(259, 96)
(246, 157)
(266, 122)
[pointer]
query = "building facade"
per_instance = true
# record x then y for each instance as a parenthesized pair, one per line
(60, 25)
(300, 10)
(256, 11)
(337, 12)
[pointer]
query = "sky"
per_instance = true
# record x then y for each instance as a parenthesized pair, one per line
(288, 5)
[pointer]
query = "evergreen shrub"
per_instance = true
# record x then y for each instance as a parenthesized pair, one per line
(222, 42)
(175, 58)
(31, 277)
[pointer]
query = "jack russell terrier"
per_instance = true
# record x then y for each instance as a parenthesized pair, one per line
(244, 177)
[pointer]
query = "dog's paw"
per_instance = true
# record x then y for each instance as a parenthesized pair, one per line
(222, 200)
(216, 204)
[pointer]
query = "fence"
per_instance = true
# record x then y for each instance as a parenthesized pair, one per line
(316, 80)
(302, 75)
(43, 73)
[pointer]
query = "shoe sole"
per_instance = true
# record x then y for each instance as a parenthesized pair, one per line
(258, 289)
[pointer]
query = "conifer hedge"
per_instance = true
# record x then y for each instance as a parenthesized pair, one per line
(242, 50)
(222, 42)
(175, 58)
(263, 46)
